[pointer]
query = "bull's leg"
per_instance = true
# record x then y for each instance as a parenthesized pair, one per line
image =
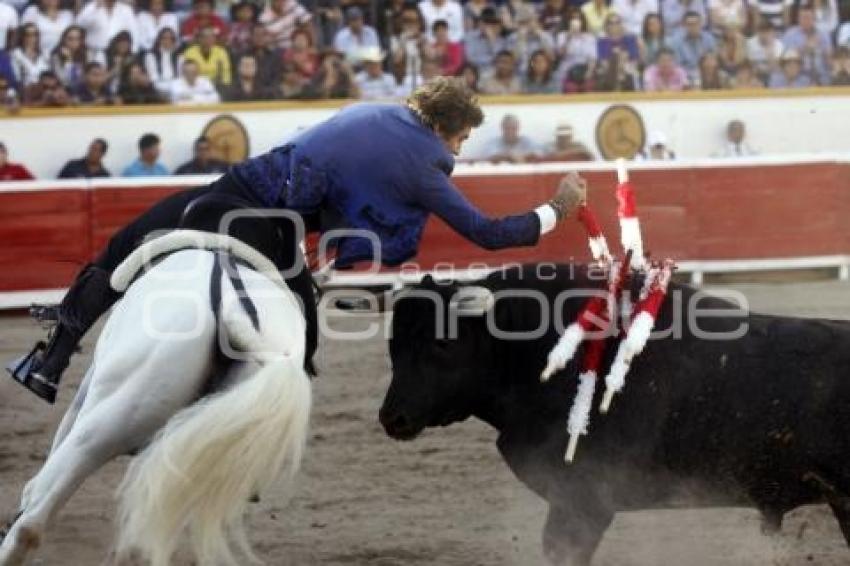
(574, 528)
(771, 520)
(841, 509)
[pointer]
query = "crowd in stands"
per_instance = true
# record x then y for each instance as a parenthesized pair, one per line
(98, 52)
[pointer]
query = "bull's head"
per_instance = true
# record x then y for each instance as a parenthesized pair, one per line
(441, 356)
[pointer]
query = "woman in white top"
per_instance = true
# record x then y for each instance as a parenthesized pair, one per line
(70, 56)
(50, 20)
(576, 48)
(161, 61)
(152, 21)
(28, 60)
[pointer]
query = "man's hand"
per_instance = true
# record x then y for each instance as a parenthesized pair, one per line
(571, 192)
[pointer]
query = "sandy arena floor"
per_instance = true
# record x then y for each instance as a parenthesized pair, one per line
(444, 499)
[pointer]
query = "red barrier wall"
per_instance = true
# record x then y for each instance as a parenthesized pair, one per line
(759, 211)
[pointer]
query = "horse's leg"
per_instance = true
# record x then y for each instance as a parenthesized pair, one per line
(73, 411)
(112, 427)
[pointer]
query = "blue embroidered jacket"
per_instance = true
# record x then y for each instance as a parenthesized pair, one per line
(380, 169)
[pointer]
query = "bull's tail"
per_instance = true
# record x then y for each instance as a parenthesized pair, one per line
(201, 470)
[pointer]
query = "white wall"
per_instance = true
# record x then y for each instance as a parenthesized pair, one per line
(777, 125)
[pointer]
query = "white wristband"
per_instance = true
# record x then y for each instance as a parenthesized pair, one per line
(548, 218)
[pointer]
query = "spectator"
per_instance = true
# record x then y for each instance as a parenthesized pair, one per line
(731, 49)
(334, 79)
(138, 88)
(552, 18)
(203, 162)
(372, 81)
(841, 67)
(673, 14)
(540, 77)
(328, 19)
(711, 76)
(267, 56)
(665, 75)
(94, 90)
(447, 53)
(764, 50)
(791, 73)
(773, 12)
(246, 87)
(826, 15)
(652, 39)
(726, 13)
(430, 69)
(152, 21)
(8, 23)
(576, 47)
(89, 166)
(243, 16)
(212, 59)
(161, 61)
(692, 43)
(446, 10)
(470, 75)
(8, 90)
(281, 18)
(203, 16)
(617, 40)
(356, 36)
(633, 13)
(483, 45)
(471, 14)
(503, 79)
(12, 171)
(745, 77)
(302, 54)
(813, 45)
(119, 56)
(615, 74)
(50, 20)
(147, 164)
(408, 48)
(566, 148)
(529, 37)
(657, 148)
(28, 61)
(735, 145)
(47, 92)
(509, 9)
(104, 19)
(191, 88)
(595, 13)
(510, 146)
(293, 85)
(69, 58)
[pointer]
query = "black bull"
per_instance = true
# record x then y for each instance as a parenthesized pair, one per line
(761, 420)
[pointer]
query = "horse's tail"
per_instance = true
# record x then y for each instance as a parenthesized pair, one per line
(212, 457)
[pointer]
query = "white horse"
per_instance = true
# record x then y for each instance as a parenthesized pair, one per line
(203, 456)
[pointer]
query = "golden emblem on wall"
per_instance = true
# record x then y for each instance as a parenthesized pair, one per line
(228, 138)
(620, 132)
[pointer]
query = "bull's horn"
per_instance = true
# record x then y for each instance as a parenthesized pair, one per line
(473, 300)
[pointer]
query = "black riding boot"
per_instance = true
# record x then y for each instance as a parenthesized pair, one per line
(89, 297)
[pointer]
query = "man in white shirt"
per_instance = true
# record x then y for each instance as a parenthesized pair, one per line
(103, 19)
(8, 21)
(192, 88)
(356, 36)
(633, 13)
(735, 145)
(373, 82)
(510, 146)
(448, 10)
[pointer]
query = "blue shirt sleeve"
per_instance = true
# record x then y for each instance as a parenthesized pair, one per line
(438, 195)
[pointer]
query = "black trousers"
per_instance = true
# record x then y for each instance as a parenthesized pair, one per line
(90, 295)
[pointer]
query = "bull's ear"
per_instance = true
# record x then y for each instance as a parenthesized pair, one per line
(473, 300)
